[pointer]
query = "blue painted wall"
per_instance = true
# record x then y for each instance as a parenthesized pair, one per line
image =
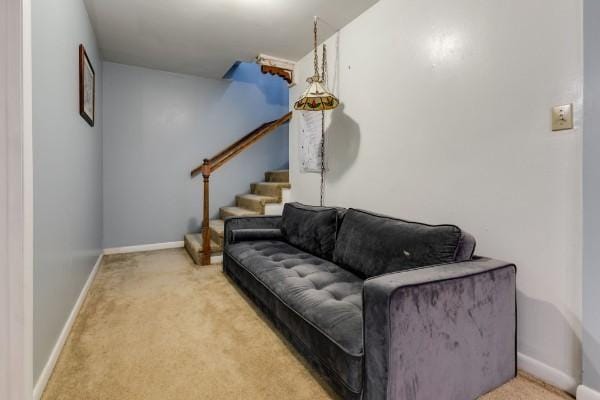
(158, 126)
(273, 88)
(67, 175)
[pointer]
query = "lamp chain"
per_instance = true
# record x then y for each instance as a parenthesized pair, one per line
(322, 158)
(315, 47)
(324, 65)
(323, 77)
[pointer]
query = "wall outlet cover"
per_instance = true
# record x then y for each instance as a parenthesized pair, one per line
(562, 117)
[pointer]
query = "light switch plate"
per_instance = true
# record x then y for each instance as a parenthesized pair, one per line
(562, 117)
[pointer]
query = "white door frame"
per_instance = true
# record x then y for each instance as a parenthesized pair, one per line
(16, 201)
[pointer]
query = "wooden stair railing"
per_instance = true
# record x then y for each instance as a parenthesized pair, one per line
(211, 165)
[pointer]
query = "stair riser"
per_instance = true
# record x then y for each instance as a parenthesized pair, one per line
(277, 176)
(218, 226)
(195, 255)
(214, 236)
(268, 190)
(194, 242)
(224, 213)
(193, 245)
(250, 204)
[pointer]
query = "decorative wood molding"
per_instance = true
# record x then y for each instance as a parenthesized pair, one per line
(285, 74)
(263, 59)
(277, 66)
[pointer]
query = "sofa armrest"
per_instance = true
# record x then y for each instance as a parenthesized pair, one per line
(446, 331)
(255, 222)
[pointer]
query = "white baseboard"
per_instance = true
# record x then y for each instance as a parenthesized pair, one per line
(547, 373)
(143, 247)
(64, 334)
(154, 246)
(585, 393)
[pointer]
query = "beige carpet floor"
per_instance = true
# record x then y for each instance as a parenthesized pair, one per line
(155, 326)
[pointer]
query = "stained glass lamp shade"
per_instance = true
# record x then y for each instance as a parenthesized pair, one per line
(316, 97)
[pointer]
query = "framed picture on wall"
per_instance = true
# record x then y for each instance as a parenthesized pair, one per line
(87, 87)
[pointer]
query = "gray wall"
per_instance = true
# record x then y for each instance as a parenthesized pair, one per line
(591, 197)
(67, 156)
(158, 126)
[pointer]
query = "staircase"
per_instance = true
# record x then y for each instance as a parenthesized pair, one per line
(265, 198)
(258, 202)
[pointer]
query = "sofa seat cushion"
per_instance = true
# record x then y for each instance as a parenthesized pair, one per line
(326, 301)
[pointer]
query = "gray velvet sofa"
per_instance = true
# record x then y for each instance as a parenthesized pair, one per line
(382, 308)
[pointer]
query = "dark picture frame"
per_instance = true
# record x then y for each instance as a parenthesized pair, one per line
(87, 87)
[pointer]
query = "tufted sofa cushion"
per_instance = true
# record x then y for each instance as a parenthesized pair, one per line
(325, 300)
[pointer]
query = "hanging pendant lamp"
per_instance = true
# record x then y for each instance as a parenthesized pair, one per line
(316, 97)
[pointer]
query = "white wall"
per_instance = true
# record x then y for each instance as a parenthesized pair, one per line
(15, 201)
(158, 126)
(445, 118)
(591, 199)
(67, 169)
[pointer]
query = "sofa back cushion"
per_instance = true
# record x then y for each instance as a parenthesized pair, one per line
(309, 228)
(466, 247)
(369, 244)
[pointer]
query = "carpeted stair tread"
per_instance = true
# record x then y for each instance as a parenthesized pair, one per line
(274, 184)
(251, 204)
(254, 202)
(236, 212)
(282, 175)
(272, 189)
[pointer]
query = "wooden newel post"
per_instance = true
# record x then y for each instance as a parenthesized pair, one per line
(205, 215)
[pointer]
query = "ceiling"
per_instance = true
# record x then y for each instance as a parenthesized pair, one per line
(205, 37)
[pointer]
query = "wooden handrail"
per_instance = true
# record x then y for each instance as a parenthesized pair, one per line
(242, 144)
(238, 142)
(214, 163)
